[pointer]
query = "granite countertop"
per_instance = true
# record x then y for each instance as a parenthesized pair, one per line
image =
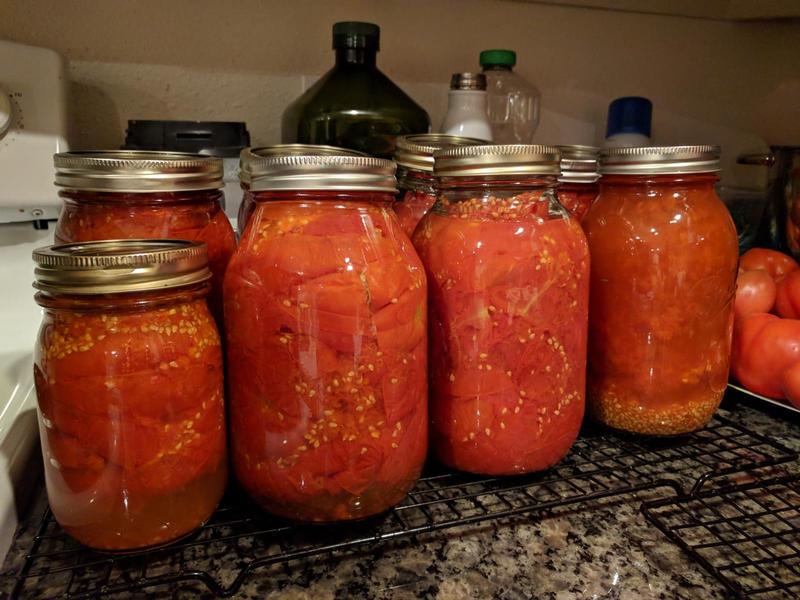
(602, 549)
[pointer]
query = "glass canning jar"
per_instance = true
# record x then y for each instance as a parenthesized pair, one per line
(248, 155)
(577, 183)
(415, 181)
(128, 372)
(664, 257)
(508, 274)
(326, 341)
(126, 194)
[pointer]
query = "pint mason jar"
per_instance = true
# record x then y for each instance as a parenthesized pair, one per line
(326, 341)
(508, 274)
(128, 372)
(664, 260)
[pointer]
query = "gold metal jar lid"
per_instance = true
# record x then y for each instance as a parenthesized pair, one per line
(416, 151)
(250, 157)
(307, 172)
(579, 164)
(490, 160)
(137, 171)
(119, 266)
(659, 160)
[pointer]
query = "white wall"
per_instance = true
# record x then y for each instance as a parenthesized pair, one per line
(737, 84)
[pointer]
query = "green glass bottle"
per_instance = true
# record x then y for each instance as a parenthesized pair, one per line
(354, 105)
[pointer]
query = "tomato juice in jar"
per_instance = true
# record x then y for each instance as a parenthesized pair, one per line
(247, 155)
(664, 260)
(577, 183)
(508, 274)
(326, 341)
(126, 194)
(128, 372)
(415, 181)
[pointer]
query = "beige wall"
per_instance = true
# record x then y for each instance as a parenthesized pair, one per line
(733, 83)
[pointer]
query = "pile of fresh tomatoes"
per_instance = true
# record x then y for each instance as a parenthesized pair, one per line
(766, 339)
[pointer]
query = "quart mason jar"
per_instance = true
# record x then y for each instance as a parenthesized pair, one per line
(127, 194)
(578, 183)
(664, 257)
(128, 372)
(508, 276)
(415, 181)
(326, 331)
(248, 155)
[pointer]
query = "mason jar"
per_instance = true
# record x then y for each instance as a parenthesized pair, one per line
(326, 341)
(508, 276)
(125, 194)
(128, 373)
(664, 261)
(415, 181)
(578, 182)
(248, 155)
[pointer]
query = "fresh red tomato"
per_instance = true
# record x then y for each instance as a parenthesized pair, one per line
(773, 262)
(764, 346)
(755, 293)
(790, 383)
(787, 299)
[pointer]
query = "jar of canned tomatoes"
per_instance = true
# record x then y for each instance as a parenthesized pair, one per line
(664, 257)
(415, 181)
(248, 155)
(578, 183)
(128, 372)
(326, 341)
(125, 194)
(508, 274)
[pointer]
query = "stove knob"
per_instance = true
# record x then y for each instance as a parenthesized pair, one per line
(6, 111)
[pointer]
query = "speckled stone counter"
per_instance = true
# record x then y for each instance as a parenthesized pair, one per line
(603, 549)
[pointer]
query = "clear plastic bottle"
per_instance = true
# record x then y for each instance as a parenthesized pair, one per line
(513, 102)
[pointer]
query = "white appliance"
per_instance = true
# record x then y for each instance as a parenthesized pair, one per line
(32, 128)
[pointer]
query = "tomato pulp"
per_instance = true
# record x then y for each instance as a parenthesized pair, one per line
(326, 330)
(131, 416)
(195, 216)
(664, 257)
(577, 197)
(508, 276)
(411, 206)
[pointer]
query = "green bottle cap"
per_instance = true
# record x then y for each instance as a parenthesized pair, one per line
(355, 34)
(505, 58)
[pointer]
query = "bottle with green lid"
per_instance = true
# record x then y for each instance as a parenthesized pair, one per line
(513, 102)
(354, 105)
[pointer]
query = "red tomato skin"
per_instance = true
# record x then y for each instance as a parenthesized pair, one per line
(790, 384)
(763, 347)
(755, 293)
(787, 299)
(773, 262)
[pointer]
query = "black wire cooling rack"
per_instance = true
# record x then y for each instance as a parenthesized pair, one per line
(747, 536)
(240, 539)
